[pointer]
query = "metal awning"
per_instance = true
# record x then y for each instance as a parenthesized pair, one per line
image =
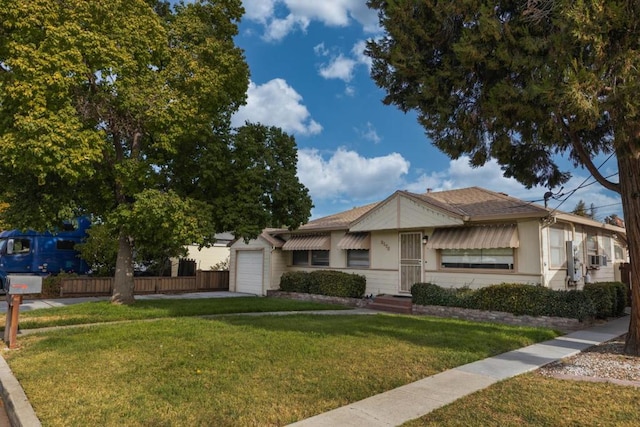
(475, 237)
(355, 241)
(308, 243)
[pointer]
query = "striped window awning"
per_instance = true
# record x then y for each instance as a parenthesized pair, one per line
(355, 241)
(308, 243)
(475, 237)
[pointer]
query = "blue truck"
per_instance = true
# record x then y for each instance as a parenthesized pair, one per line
(31, 252)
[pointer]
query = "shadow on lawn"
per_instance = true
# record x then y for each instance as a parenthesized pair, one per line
(421, 331)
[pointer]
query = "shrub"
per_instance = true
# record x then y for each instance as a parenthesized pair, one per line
(51, 284)
(324, 282)
(609, 298)
(571, 304)
(515, 298)
(294, 281)
(430, 294)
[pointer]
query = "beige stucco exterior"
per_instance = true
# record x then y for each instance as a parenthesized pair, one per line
(404, 213)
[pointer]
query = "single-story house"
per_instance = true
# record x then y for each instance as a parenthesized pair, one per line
(469, 237)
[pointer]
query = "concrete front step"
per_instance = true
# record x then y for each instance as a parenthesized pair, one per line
(392, 304)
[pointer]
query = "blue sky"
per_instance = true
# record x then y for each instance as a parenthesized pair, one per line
(309, 77)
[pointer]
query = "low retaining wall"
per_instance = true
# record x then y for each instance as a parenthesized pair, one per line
(562, 324)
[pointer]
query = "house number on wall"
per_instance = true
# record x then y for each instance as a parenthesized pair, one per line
(385, 244)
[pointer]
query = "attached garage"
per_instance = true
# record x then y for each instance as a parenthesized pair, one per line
(249, 272)
(256, 266)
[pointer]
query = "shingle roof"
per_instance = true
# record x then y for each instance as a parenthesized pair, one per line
(339, 220)
(479, 202)
(466, 202)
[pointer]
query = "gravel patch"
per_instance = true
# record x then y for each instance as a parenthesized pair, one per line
(601, 363)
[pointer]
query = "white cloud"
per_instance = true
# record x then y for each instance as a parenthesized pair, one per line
(358, 53)
(460, 175)
(297, 14)
(340, 67)
(370, 133)
(258, 10)
(275, 103)
(277, 29)
(346, 174)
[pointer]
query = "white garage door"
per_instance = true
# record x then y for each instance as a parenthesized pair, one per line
(249, 272)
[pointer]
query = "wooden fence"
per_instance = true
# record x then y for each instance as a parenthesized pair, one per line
(202, 281)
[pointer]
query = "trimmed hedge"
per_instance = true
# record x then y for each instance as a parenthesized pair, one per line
(324, 282)
(610, 298)
(607, 299)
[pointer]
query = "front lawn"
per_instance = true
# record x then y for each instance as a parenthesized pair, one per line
(104, 311)
(534, 400)
(240, 370)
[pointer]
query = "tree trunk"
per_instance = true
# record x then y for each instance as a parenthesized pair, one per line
(629, 173)
(123, 281)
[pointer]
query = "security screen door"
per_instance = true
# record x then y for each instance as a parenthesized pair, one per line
(410, 260)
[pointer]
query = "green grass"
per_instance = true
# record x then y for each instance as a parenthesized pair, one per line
(240, 370)
(104, 311)
(534, 400)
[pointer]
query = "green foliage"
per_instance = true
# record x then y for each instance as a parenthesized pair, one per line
(221, 265)
(51, 285)
(324, 282)
(609, 298)
(514, 82)
(295, 281)
(121, 110)
(518, 299)
(100, 250)
(430, 294)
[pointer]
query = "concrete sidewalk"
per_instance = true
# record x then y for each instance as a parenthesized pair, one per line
(414, 400)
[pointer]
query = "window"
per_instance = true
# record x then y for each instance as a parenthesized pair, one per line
(300, 257)
(65, 245)
(499, 258)
(619, 252)
(606, 247)
(319, 258)
(592, 244)
(18, 246)
(557, 249)
(358, 258)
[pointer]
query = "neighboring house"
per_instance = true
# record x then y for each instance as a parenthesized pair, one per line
(468, 237)
(206, 258)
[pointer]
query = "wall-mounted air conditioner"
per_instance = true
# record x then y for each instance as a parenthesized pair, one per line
(597, 260)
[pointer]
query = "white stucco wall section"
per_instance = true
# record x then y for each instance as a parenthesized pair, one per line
(402, 212)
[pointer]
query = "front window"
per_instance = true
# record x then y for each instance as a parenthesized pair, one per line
(317, 258)
(320, 258)
(3, 245)
(358, 258)
(300, 257)
(557, 250)
(498, 258)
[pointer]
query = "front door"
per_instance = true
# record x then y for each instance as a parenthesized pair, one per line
(410, 260)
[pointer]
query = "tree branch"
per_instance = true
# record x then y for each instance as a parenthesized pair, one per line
(585, 158)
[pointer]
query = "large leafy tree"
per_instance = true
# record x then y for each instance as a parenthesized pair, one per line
(121, 109)
(523, 81)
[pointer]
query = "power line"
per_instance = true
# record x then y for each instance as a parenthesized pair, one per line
(572, 192)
